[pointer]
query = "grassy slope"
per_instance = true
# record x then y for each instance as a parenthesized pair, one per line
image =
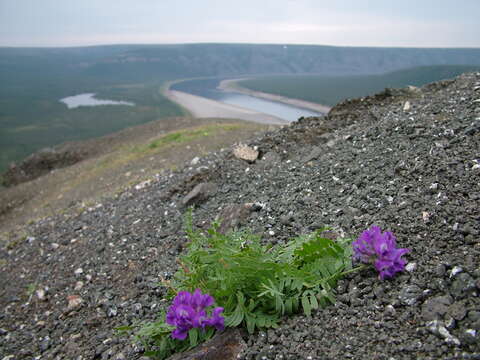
(123, 159)
(329, 90)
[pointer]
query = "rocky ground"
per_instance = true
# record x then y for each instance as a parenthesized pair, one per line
(106, 165)
(406, 160)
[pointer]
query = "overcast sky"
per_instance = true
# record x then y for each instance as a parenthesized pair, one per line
(418, 23)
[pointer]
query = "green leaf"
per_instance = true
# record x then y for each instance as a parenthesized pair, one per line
(289, 306)
(261, 321)
(193, 337)
(307, 309)
(250, 320)
(318, 248)
(125, 328)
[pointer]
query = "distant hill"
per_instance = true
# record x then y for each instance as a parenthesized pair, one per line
(134, 62)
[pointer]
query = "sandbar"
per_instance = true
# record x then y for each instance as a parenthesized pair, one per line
(231, 85)
(201, 107)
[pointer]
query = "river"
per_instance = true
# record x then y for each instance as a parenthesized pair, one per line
(207, 88)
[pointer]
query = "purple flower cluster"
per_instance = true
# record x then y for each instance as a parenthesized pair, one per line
(379, 248)
(189, 311)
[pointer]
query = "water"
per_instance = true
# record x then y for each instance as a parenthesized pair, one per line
(89, 100)
(208, 89)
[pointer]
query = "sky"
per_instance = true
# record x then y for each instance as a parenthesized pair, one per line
(401, 23)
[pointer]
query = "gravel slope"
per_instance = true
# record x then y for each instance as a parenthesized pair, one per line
(414, 172)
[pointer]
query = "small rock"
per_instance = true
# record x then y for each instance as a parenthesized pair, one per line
(41, 294)
(457, 310)
(78, 271)
(469, 336)
(112, 312)
(233, 216)
(410, 294)
(245, 152)
(226, 345)
(74, 301)
(456, 270)
(78, 285)
(440, 270)
(143, 184)
(390, 310)
(120, 356)
(315, 153)
(437, 328)
(426, 216)
(471, 332)
(406, 106)
(55, 246)
(462, 285)
(411, 267)
(45, 344)
(450, 323)
(436, 307)
(473, 316)
(200, 193)
(195, 160)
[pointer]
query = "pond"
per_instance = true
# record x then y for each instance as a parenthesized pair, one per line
(89, 100)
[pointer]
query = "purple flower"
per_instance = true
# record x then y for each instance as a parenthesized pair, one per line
(188, 311)
(379, 248)
(216, 320)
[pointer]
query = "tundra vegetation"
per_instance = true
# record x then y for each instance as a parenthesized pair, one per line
(255, 285)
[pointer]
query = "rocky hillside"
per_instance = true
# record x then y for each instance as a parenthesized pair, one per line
(406, 160)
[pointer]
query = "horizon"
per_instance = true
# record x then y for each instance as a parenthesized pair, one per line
(409, 24)
(232, 43)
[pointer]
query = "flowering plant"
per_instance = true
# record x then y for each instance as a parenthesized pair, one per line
(379, 248)
(257, 284)
(188, 311)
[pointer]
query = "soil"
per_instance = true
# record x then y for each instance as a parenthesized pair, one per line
(413, 170)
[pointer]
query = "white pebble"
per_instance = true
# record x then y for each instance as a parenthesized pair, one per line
(411, 267)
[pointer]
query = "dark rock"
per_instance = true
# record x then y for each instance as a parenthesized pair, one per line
(436, 307)
(233, 215)
(462, 285)
(473, 315)
(199, 194)
(457, 310)
(225, 346)
(315, 153)
(440, 269)
(410, 294)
